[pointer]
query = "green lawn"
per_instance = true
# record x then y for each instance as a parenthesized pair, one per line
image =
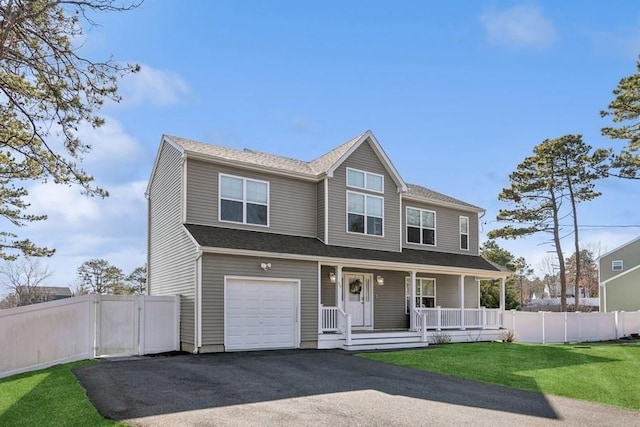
(50, 397)
(597, 372)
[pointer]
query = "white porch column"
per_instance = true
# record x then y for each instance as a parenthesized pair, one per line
(339, 300)
(412, 303)
(502, 292)
(461, 291)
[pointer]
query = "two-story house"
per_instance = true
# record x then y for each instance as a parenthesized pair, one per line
(339, 252)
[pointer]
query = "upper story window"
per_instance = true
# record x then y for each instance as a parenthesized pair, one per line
(244, 200)
(365, 213)
(617, 265)
(464, 233)
(365, 180)
(421, 226)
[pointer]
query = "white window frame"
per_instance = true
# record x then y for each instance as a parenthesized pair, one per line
(464, 234)
(365, 214)
(244, 200)
(617, 265)
(435, 227)
(407, 291)
(366, 180)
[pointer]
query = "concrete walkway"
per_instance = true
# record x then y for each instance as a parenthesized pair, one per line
(319, 388)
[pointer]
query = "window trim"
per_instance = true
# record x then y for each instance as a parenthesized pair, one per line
(435, 227)
(616, 262)
(407, 287)
(244, 200)
(365, 180)
(462, 234)
(365, 214)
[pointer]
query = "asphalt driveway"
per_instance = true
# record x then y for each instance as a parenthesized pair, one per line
(319, 388)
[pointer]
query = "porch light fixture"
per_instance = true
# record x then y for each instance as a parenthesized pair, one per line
(380, 280)
(265, 266)
(332, 277)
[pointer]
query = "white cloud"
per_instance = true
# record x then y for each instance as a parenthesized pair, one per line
(159, 88)
(110, 144)
(62, 204)
(519, 27)
(67, 207)
(81, 228)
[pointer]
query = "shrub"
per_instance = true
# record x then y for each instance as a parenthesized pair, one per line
(509, 335)
(441, 337)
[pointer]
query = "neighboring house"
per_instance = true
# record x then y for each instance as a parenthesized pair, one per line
(272, 252)
(619, 277)
(36, 294)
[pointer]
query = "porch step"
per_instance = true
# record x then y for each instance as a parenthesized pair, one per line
(388, 334)
(363, 340)
(382, 346)
(384, 340)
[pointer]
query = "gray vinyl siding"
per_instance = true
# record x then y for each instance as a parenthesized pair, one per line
(623, 293)
(215, 267)
(390, 301)
(630, 256)
(446, 290)
(447, 228)
(327, 289)
(471, 299)
(292, 202)
(172, 254)
(365, 159)
(320, 210)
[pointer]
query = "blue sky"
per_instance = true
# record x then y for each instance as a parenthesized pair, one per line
(457, 93)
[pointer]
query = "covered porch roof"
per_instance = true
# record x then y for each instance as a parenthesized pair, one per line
(247, 242)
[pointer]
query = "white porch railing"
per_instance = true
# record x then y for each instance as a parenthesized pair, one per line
(455, 318)
(334, 319)
(421, 321)
(329, 319)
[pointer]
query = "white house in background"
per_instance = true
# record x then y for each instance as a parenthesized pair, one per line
(338, 252)
(619, 277)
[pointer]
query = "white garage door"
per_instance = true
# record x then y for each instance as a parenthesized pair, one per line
(260, 314)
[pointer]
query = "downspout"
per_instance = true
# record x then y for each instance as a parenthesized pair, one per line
(148, 269)
(326, 210)
(478, 233)
(198, 309)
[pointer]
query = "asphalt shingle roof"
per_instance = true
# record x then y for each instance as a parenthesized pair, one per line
(314, 168)
(219, 237)
(418, 191)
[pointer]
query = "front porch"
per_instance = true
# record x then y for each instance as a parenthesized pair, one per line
(433, 325)
(408, 311)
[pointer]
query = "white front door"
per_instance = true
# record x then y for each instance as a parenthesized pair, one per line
(358, 298)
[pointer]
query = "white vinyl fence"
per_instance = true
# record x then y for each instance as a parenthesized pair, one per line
(549, 327)
(42, 335)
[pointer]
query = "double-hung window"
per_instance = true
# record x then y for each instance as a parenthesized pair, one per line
(617, 265)
(365, 180)
(421, 226)
(425, 292)
(244, 200)
(464, 233)
(365, 213)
